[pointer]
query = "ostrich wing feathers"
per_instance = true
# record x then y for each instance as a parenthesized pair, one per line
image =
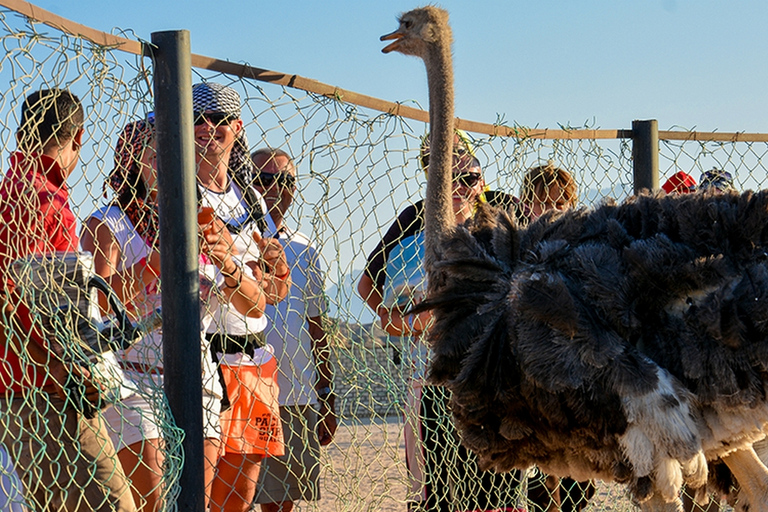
(603, 342)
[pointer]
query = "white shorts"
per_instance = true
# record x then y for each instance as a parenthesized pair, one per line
(135, 419)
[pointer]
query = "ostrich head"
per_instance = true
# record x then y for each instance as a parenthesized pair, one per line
(425, 33)
(418, 30)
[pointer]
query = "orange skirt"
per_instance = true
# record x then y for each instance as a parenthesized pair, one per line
(252, 423)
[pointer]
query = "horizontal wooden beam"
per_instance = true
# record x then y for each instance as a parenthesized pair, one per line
(70, 27)
(361, 100)
(714, 136)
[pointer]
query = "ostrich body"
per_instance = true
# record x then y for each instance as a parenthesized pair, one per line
(627, 344)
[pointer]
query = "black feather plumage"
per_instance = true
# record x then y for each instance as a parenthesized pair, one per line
(558, 340)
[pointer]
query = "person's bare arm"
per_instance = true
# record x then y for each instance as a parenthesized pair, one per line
(99, 240)
(245, 292)
(276, 275)
(326, 427)
(393, 321)
(369, 292)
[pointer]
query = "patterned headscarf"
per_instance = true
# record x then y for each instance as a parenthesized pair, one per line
(125, 179)
(214, 98)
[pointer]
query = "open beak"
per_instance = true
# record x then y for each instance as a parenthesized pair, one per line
(397, 36)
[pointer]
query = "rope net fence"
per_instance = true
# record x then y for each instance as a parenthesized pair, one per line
(356, 169)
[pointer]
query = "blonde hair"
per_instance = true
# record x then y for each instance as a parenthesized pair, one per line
(540, 179)
(463, 146)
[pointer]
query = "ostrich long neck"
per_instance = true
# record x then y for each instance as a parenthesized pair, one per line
(439, 216)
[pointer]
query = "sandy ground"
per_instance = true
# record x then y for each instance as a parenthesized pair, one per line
(364, 470)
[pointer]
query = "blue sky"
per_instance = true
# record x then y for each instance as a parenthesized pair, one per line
(690, 64)
(694, 64)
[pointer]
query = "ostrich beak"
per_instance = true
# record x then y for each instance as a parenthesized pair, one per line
(397, 36)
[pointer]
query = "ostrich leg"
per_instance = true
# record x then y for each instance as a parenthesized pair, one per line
(761, 449)
(752, 476)
(658, 504)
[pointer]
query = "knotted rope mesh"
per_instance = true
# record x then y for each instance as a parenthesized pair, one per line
(357, 168)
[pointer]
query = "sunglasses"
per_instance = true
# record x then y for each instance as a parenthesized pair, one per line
(215, 118)
(283, 179)
(469, 179)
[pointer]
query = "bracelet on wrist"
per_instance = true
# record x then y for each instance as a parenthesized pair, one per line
(282, 277)
(231, 275)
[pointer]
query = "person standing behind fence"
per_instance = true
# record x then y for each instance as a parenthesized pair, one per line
(251, 427)
(445, 477)
(66, 461)
(716, 181)
(679, 183)
(301, 349)
(123, 239)
(546, 188)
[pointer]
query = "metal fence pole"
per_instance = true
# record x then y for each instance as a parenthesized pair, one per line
(177, 200)
(645, 154)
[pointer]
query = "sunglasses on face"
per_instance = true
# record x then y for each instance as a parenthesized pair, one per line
(215, 118)
(468, 180)
(283, 179)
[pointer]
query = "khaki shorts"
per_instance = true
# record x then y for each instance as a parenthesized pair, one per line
(63, 459)
(296, 475)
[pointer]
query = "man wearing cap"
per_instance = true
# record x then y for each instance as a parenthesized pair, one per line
(251, 427)
(65, 458)
(301, 348)
(679, 183)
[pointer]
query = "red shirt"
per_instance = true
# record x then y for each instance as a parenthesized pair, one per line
(35, 218)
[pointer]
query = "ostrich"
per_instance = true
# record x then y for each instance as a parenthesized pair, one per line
(627, 344)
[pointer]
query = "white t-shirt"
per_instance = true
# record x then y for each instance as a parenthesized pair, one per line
(147, 351)
(288, 332)
(231, 208)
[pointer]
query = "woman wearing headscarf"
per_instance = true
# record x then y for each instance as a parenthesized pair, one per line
(444, 475)
(123, 237)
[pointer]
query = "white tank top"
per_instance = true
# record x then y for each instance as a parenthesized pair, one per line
(147, 352)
